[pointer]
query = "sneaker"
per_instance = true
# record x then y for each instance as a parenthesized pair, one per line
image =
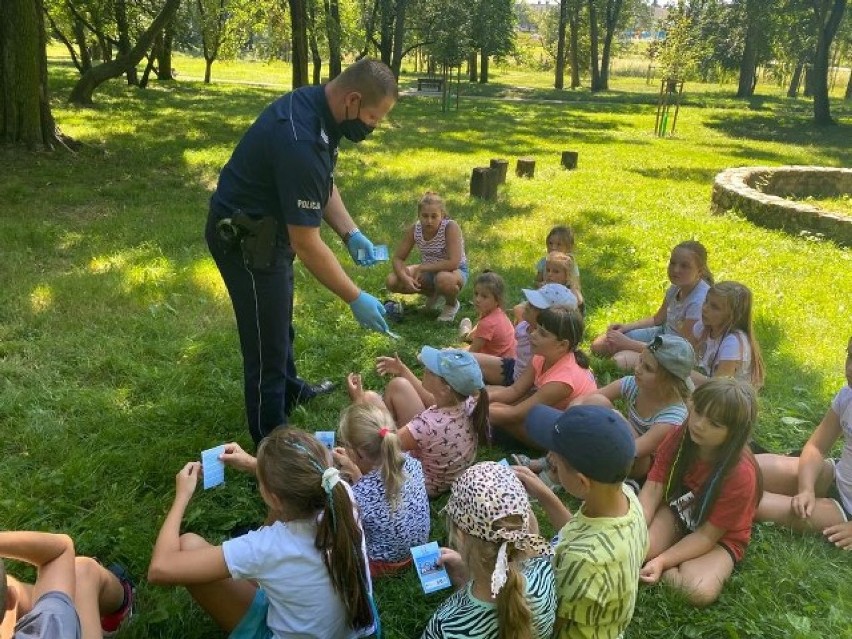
(113, 622)
(449, 312)
(465, 327)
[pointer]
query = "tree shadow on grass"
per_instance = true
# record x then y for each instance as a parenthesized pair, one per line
(679, 173)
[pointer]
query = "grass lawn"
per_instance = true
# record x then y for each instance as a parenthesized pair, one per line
(118, 350)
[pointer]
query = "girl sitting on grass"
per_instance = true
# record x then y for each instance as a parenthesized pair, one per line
(811, 493)
(505, 587)
(388, 485)
(724, 336)
(681, 308)
(654, 396)
(702, 492)
(302, 574)
(493, 333)
(442, 271)
(441, 418)
(558, 375)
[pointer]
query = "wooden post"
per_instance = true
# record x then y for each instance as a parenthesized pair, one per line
(500, 167)
(525, 167)
(569, 159)
(483, 183)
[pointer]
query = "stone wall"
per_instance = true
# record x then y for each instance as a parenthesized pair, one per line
(756, 193)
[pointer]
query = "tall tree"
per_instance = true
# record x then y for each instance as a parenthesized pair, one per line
(604, 16)
(332, 32)
(492, 30)
(25, 116)
(299, 26)
(756, 16)
(828, 14)
(559, 80)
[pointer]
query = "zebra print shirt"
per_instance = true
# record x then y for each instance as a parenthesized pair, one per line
(462, 616)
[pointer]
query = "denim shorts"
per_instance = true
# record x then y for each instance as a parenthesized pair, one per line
(253, 624)
(834, 495)
(645, 335)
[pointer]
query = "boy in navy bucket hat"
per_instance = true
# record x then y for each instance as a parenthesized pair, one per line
(602, 546)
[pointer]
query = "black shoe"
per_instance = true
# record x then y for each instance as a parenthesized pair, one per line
(309, 391)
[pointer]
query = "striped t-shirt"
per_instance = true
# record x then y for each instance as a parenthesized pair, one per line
(674, 414)
(597, 563)
(463, 616)
(435, 250)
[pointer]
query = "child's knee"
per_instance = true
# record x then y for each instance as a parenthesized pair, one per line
(703, 593)
(600, 347)
(447, 282)
(86, 569)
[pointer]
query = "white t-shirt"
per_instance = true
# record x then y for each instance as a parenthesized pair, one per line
(842, 407)
(734, 347)
(688, 308)
(283, 560)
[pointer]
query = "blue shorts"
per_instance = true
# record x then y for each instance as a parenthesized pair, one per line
(507, 366)
(645, 335)
(834, 495)
(428, 277)
(253, 624)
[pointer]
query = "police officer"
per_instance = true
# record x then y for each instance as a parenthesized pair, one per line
(272, 196)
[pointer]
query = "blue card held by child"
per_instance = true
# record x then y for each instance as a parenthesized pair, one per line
(432, 576)
(326, 438)
(212, 468)
(380, 253)
(504, 462)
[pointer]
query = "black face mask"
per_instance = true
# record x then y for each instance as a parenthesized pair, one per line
(355, 130)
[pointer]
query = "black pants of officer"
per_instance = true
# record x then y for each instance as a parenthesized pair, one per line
(263, 305)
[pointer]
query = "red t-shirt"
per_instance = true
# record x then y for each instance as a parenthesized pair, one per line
(498, 333)
(734, 508)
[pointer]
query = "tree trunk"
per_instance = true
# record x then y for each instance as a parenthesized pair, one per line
(123, 27)
(748, 63)
(574, 38)
(164, 52)
(829, 16)
(473, 66)
(613, 9)
(208, 67)
(25, 116)
(483, 73)
(398, 37)
(299, 26)
(559, 80)
(848, 94)
(82, 45)
(332, 28)
(593, 41)
(796, 80)
(82, 92)
(386, 32)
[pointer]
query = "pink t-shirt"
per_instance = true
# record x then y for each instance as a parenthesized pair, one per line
(446, 443)
(498, 333)
(567, 371)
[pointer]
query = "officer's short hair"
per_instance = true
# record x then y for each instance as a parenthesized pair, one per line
(371, 78)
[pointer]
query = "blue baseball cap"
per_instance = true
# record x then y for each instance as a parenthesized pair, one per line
(459, 368)
(596, 441)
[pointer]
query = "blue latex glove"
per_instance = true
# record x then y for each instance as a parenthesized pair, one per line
(369, 312)
(360, 242)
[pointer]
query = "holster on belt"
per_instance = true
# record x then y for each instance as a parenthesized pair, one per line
(256, 237)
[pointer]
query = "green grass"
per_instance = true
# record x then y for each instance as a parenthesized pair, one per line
(118, 349)
(841, 205)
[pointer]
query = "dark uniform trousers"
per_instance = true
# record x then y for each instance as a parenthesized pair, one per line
(263, 305)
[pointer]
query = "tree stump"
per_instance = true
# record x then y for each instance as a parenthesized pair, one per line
(569, 159)
(500, 167)
(483, 183)
(525, 167)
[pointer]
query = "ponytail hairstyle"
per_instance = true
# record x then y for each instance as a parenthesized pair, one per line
(493, 283)
(726, 402)
(514, 617)
(294, 467)
(700, 254)
(567, 324)
(739, 300)
(430, 198)
(564, 234)
(479, 418)
(370, 430)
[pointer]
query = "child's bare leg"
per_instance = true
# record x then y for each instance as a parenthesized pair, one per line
(492, 368)
(626, 360)
(779, 508)
(23, 595)
(663, 532)
(701, 579)
(402, 400)
(226, 600)
(518, 311)
(395, 285)
(781, 474)
(601, 347)
(448, 284)
(98, 592)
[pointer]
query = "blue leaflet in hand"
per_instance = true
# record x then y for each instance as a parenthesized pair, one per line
(503, 462)
(432, 576)
(326, 438)
(212, 468)
(380, 253)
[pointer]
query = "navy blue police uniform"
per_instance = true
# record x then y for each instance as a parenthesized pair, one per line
(282, 167)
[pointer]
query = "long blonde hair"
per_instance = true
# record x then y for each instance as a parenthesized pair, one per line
(514, 617)
(370, 430)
